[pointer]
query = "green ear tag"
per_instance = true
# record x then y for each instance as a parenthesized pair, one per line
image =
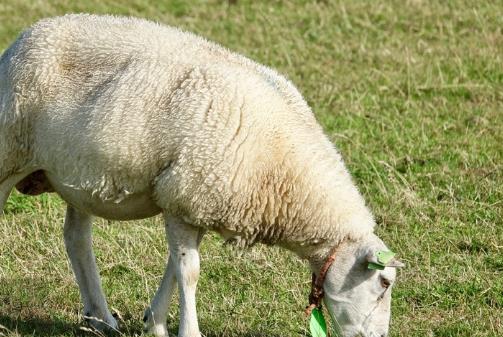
(375, 266)
(317, 323)
(383, 258)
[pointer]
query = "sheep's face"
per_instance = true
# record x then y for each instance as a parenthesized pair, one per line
(359, 298)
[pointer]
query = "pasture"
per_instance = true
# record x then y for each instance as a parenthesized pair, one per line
(410, 92)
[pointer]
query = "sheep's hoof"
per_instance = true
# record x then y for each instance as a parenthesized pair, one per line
(157, 330)
(107, 325)
(153, 327)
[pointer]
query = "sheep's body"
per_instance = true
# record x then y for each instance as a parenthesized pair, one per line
(148, 117)
(127, 119)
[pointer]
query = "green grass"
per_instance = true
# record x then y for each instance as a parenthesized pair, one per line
(410, 91)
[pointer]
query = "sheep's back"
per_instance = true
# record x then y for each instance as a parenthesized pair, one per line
(125, 104)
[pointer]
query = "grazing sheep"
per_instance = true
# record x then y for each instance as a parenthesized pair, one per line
(126, 119)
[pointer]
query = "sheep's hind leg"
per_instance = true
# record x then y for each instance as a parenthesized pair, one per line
(78, 242)
(7, 185)
(183, 266)
(5, 189)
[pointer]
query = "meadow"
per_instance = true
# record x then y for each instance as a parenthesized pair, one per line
(410, 92)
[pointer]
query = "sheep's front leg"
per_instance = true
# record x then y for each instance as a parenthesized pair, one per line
(155, 316)
(183, 241)
(78, 242)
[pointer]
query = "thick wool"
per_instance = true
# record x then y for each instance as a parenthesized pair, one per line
(120, 109)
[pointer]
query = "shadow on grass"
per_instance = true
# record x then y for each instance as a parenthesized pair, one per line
(245, 334)
(55, 327)
(52, 327)
(39, 327)
(250, 333)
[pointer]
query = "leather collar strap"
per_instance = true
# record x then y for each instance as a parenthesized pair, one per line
(317, 291)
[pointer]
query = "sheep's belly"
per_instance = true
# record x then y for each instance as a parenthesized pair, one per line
(131, 207)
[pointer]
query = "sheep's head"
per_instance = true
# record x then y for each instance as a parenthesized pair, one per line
(358, 298)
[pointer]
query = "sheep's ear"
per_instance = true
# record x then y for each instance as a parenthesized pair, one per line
(395, 263)
(382, 259)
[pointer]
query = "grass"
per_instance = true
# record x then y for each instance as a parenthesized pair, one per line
(411, 92)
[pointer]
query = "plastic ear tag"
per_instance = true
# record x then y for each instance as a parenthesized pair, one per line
(375, 266)
(383, 258)
(317, 324)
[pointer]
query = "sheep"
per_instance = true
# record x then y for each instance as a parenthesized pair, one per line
(127, 119)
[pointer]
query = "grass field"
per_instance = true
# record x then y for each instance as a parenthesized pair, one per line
(410, 91)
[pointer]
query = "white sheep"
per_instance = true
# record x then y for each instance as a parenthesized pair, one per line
(126, 119)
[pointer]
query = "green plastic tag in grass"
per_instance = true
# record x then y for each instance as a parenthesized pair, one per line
(383, 258)
(317, 323)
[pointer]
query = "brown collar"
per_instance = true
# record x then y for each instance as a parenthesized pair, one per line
(317, 291)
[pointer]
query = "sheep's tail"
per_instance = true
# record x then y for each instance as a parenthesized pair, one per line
(12, 164)
(11, 167)
(4, 192)
(13, 133)
(5, 183)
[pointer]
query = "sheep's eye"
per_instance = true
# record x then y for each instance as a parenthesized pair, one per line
(385, 283)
